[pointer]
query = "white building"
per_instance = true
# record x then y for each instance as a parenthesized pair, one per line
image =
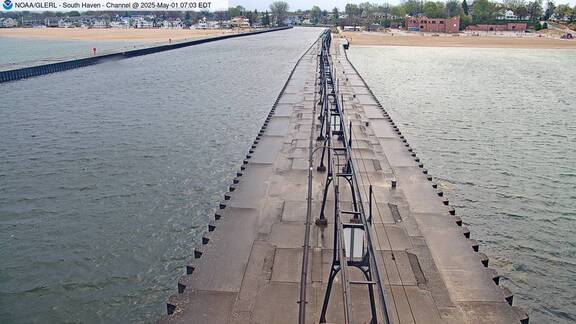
(142, 23)
(100, 23)
(172, 24)
(509, 15)
(121, 24)
(9, 23)
(206, 24)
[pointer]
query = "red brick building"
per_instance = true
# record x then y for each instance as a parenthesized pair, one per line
(503, 27)
(433, 25)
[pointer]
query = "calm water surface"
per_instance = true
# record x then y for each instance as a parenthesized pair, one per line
(497, 128)
(17, 50)
(110, 173)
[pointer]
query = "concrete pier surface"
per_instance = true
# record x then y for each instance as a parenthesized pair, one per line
(249, 266)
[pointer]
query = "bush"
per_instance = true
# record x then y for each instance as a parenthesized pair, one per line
(537, 26)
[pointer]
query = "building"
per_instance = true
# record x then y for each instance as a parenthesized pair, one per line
(8, 23)
(142, 23)
(100, 23)
(203, 23)
(293, 20)
(65, 23)
(172, 24)
(240, 22)
(433, 25)
(519, 27)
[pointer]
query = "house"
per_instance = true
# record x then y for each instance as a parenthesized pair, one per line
(293, 20)
(9, 23)
(121, 24)
(353, 28)
(172, 24)
(65, 23)
(100, 23)
(203, 23)
(51, 22)
(142, 23)
(433, 25)
(509, 15)
(240, 22)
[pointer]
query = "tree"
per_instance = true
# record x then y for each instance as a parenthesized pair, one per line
(465, 8)
(412, 7)
(352, 9)
(236, 11)
(550, 6)
(353, 12)
(513, 4)
(385, 9)
(563, 12)
(279, 10)
(266, 19)
(335, 15)
(252, 16)
(316, 14)
(452, 8)
(398, 12)
(534, 9)
(187, 19)
(483, 11)
(434, 9)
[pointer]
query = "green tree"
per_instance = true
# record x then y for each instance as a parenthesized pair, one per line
(266, 19)
(398, 12)
(452, 8)
(335, 15)
(316, 14)
(279, 9)
(236, 11)
(534, 9)
(434, 9)
(563, 11)
(465, 21)
(483, 11)
(412, 7)
(465, 8)
(352, 9)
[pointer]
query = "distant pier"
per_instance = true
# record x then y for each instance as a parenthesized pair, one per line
(333, 218)
(42, 69)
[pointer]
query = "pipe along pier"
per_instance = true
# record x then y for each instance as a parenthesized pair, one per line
(332, 218)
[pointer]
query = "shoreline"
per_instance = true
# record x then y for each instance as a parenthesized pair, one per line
(464, 41)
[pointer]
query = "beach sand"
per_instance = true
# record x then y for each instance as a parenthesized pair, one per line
(483, 41)
(109, 34)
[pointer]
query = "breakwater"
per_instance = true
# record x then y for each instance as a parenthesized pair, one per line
(333, 218)
(33, 71)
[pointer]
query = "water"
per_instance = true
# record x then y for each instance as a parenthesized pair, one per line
(496, 127)
(26, 50)
(110, 173)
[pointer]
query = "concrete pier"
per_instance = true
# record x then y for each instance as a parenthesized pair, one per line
(249, 266)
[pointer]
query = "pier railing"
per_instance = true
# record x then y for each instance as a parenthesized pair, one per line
(353, 245)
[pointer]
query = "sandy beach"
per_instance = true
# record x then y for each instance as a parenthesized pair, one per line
(109, 34)
(461, 40)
